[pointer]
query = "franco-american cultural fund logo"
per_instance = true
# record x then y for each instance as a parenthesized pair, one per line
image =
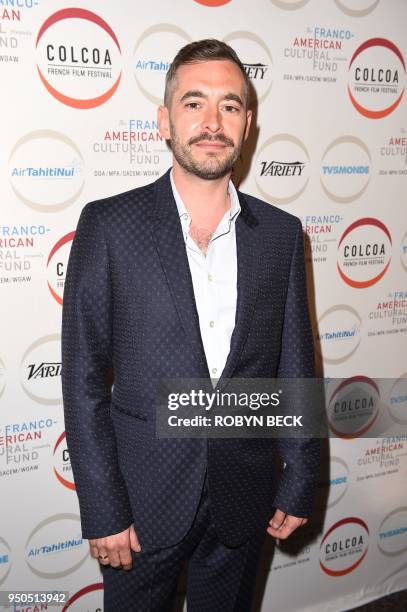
(364, 252)
(78, 58)
(376, 78)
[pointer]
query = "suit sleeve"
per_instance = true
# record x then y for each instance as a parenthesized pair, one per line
(86, 360)
(300, 478)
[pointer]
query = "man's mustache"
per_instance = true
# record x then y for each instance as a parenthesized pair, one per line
(211, 138)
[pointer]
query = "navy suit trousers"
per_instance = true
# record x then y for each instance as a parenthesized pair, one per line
(219, 579)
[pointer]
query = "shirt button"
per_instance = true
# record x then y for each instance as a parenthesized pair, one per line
(214, 370)
(211, 323)
(210, 277)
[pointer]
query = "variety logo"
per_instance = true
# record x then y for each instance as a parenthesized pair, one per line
(62, 464)
(392, 535)
(46, 170)
(364, 253)
(398, 400)
(75, 71)
(357, 8)
(57, 263)
(55, 547)
(338, 481)
(321, 235)
(339, 333)
(377, 75)
(353, 407)
(344, 546)
(345, 169)
(150, 63)
(256, 59)
(89, 598)
(5, 560)
(282, 169)
(41, 370)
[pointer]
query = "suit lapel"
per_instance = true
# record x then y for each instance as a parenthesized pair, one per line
(169, 240)
(249, 247)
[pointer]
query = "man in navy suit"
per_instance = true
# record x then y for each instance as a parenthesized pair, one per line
(185, 277)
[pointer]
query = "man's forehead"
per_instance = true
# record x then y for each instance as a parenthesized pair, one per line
(209, 73)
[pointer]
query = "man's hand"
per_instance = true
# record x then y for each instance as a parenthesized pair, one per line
(282, 524)
(114, 550)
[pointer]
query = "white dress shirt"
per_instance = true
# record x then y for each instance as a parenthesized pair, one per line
(214, 278)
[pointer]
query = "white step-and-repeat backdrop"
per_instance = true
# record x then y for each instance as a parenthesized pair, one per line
(80, 83)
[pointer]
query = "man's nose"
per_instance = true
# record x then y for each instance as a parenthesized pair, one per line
(212, 120)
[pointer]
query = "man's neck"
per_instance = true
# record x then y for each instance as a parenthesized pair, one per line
(205, 200)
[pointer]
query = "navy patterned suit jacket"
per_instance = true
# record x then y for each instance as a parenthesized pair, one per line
(129, 307)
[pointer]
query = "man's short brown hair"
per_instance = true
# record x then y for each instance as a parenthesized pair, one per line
(207, 50)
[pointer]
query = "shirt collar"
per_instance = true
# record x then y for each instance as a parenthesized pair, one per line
(232, 213)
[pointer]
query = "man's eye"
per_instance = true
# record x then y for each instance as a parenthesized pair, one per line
(192, 105)
(231, 109)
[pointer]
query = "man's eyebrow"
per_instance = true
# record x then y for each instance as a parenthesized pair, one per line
(234, 98)
(196, 93)
(192, 93)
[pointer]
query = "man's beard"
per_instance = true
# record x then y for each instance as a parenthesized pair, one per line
(212, 167)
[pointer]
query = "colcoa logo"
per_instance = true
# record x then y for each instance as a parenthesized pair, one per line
(69, 66)
(344, 546)
(353, 407)
(364, 252)
(377, 72)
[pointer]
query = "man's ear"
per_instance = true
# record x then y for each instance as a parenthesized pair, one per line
(249, 115)
(163, 120)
